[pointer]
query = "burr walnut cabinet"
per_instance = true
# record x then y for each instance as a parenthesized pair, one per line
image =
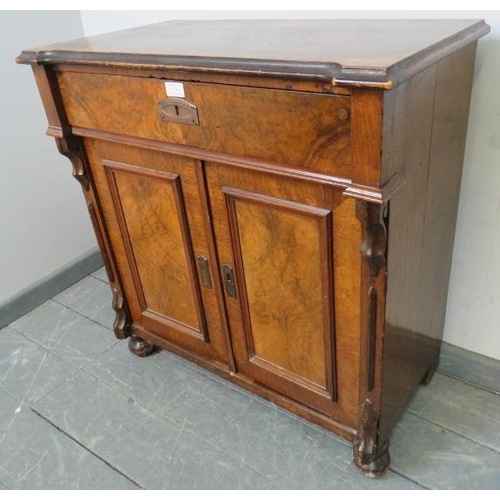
(276, 200)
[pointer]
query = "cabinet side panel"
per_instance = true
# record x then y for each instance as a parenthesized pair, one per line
(451, 112)
(426, 120)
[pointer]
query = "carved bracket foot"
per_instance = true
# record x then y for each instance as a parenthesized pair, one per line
(122, 323)
(140, 347)
(426, 380)
(369, 456)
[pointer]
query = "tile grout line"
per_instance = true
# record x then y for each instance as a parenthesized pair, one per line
(52, 353)
(111, 466)
(264, 402)
(198, 436)
(470, 383)
(173, 422)
(23, 335)
(222, 382)
(275, 408)
(163, 418)
(226, 384)
(414, 481)
(96, 278)
(412, 412)
(79, 313)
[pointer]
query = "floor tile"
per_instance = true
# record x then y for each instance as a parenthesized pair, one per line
(474, 368)
(8, 405)
(65, 333)
(281, 447)
(255, 432)
(154, 381)
(194, 464)
(28, 371)
(155, 453)
(471, 412)
(353, 480)
(91, 298)
(165, 423)
(100, 274)
(35, 455)
(439, 459)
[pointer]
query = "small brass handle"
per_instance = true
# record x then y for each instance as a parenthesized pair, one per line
(228, 275)
(204, 271)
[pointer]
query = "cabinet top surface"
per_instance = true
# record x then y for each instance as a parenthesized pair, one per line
(376, 53)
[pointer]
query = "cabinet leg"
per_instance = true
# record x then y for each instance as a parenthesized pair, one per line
(140, 347)
(370, 457)
(426, 379)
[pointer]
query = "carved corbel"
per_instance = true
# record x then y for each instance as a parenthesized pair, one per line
(374, 240)
(122, 324)
(70, 147)
(369, 455)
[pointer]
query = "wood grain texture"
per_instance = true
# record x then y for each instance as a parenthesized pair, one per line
(156, 238)
(373, 53)
(428, 119)
(370, 450)
(247, 80)
(156, 259)
(283, 201)
(411, 113)
(378, 195)
(332, 215)
(270, 237)
(51, 98)
(73, 147)
(367, 110)
(307, 131)
(369, 456)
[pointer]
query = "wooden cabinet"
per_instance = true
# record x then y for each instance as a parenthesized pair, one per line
(281, 212)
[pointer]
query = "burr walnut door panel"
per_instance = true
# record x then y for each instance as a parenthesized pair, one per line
(275, 238)
(159, 233)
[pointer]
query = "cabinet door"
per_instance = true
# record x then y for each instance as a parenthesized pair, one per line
(284, 280)
(153, 208)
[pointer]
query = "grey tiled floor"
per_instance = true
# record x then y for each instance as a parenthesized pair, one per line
(77, 410)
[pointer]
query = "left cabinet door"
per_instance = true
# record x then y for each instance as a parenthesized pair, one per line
(153, 204)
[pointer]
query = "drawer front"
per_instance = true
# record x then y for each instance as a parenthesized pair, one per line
(302, 130)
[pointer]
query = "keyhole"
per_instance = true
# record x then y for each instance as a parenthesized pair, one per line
(177, 110)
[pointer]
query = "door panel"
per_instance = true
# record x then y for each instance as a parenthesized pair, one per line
(157, 243)
(288, 328)
(290, 331)
(152, 206)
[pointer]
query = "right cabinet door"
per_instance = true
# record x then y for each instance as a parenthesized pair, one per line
(286, 272)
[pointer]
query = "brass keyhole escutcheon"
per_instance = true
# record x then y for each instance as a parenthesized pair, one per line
(228, 275)
(178, 110)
